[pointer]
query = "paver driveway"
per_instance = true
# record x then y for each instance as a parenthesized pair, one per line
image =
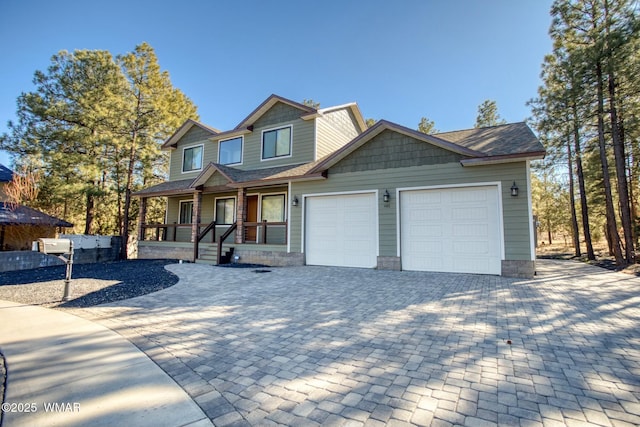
(336, 346)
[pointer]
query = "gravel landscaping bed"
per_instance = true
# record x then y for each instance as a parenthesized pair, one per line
(91, 284)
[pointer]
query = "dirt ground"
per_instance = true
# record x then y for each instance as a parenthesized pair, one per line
(561, 250)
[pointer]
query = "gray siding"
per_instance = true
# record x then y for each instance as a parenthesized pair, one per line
(279, 113)
(335, 129)
(194, 136)
(302, 148)
(394, 150)
(216, 180)
(515, 217)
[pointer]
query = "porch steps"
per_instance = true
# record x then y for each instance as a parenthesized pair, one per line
(209, 256)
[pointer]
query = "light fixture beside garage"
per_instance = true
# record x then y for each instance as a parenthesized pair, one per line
(294, 202)
(386, 196)
(514, 190)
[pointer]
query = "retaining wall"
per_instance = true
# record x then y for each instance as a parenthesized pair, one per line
(24, 260)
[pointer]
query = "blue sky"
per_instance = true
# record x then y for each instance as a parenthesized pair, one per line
(399, 60)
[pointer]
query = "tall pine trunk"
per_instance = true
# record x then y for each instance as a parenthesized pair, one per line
(574, 221)
(612, 227)
(621, 171)
(584, 208)
(90, 209)
(618, 147)
(127, 196)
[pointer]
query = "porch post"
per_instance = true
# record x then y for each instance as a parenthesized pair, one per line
(195, 221)
(241, 214)
(142, 218)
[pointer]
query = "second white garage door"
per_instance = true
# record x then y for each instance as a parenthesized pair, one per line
(341, 230)
(451, 230)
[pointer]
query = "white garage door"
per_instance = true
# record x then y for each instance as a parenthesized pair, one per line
(341, 230)
(451, 230)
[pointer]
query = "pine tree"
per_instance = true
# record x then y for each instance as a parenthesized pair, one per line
(427, 126)
(488, 115)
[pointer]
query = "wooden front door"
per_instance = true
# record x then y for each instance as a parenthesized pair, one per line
(252, 216)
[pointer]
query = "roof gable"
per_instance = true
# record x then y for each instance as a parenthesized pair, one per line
(173, 140)
(209, 171)
(390, 149)
(380, 127)
(497, 144)
(268, 104)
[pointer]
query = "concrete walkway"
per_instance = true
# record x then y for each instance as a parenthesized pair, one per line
(67, 371)
(337, 346)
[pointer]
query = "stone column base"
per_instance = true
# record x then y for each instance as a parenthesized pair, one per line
(389, 263)
(518, 268)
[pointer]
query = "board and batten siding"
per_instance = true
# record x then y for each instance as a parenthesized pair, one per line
(195, 136)
(515, 209)
(334, 130)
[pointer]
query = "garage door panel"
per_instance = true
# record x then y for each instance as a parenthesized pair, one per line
(467, 213)
(463, 237)
(470, 248)
(429, 214)
(431, 246)
(470, 230)
(426, 231)
(471, 195)
(351, 240)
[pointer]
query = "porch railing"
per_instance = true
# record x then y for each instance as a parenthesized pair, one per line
(200, 236)
(169, 232)
(260, 233)
(265, 233)
(221, 240)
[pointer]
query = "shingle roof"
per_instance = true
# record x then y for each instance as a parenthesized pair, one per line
(169, 187)
(513, 138)
(260, 174)
(11, 214)
(6, 174)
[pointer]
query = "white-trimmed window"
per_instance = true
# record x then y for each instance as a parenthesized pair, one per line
(192, 158)
(230, 151)
(225, 211)
(273, 208)
(186, 212)
(276, 143)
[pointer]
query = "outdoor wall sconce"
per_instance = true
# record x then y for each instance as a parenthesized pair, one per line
(386, 196)
(514, 190)
(294, 202)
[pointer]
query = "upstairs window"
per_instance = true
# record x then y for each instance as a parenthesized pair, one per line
(186, 211)
(230, 151)
(192, 158)
(276, 143)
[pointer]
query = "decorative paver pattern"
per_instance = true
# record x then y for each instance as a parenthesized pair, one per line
(352, 347)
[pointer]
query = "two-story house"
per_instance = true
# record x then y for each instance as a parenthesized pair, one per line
(294, 185)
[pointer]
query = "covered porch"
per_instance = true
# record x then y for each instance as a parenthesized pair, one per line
(216, 225)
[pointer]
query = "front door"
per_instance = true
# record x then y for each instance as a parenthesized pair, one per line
(252, 216)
